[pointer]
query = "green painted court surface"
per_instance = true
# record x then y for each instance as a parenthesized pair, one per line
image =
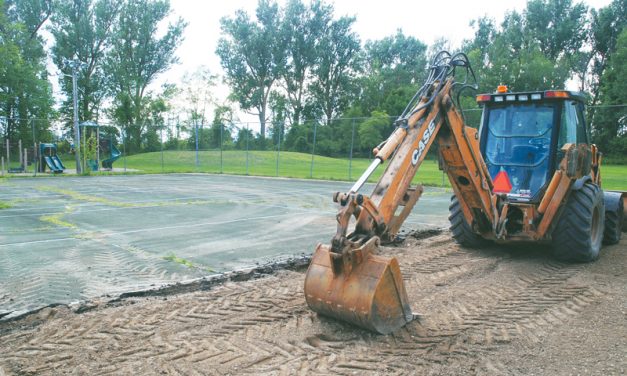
(74, 238)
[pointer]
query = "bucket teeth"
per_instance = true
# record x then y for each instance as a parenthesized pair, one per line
(363, 289)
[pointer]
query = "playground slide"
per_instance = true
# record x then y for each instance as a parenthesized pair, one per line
(52, 165)
(57, 161)
(115, 155)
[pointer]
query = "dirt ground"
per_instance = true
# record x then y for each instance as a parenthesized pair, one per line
(504, 310)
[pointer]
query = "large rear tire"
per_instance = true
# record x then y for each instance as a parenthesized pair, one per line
(613, 224)
(461, 230)
(579, 231)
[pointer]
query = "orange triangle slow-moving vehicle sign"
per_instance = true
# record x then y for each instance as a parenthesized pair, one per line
(502, 183)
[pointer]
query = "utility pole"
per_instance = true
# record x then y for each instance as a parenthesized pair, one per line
(74, 64)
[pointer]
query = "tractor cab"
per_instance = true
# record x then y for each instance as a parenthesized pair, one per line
(522, 134)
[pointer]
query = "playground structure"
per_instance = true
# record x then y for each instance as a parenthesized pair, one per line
(106, 149)
(98, 151)
(105, 152)
(48, 157)
(23, 157)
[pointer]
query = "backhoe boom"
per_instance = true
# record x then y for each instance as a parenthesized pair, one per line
(348, 280)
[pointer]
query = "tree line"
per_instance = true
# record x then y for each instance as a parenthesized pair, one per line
(292, 65)
(119, 53)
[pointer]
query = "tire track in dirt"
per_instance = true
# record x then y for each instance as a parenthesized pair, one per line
(275, 301)
(444, 342)
(540, 301)
(264, 326)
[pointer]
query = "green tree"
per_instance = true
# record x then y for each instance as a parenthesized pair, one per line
(561, 29)
(610, 123)
(559, 26)
(157, 108)
(333, 83)
(395, 65)
(81, 29)
(137, 56)
(279, 106)
(252, 54)
(197, 94)
(510, 55)
(218, 133)
(607, 24)
(302, 28)
(244, 138)
(170, 94)
(299, 137)
(25, 92)
(373, 130)
(31, 14)
(221, 127)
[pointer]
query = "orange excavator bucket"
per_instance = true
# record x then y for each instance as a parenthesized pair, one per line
(358, 287)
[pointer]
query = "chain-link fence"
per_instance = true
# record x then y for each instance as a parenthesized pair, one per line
(340, 149)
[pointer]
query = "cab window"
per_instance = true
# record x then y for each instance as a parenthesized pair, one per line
(516, 141)
(571, 125)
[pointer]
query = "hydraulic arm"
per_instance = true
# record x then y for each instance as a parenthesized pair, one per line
(348, 280)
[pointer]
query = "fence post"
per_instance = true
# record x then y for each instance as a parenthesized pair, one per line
(278, 152)
(35, 159)
(19, 149)
(25, 160)
(123, 149)
(35, 151)
(313, 149)
(32, 126)
(161, 135)
(221, 156)
(98, 147)
(196, 133)
(8, 155)
(84, 167)
(178, 131)
(2, 166)
(350, 156)
(39, 159)
(247, 149)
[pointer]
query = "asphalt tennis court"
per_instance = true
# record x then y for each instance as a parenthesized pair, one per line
(69, 239)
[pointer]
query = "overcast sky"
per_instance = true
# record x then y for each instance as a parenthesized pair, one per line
(428, 21)
(375, 19)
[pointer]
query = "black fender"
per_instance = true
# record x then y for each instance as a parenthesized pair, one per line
(580, 182)
(612, 200)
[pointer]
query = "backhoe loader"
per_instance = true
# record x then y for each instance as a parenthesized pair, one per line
(528, 174)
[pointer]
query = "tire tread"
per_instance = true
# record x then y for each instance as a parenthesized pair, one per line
(572, 236)
(461, 230)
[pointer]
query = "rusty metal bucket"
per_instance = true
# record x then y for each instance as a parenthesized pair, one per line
(360, 288)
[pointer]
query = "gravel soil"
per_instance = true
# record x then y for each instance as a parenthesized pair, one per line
(503, 310)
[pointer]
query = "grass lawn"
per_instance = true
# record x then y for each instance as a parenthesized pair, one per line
(614, 177)
(264, 163)
(298, 165)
